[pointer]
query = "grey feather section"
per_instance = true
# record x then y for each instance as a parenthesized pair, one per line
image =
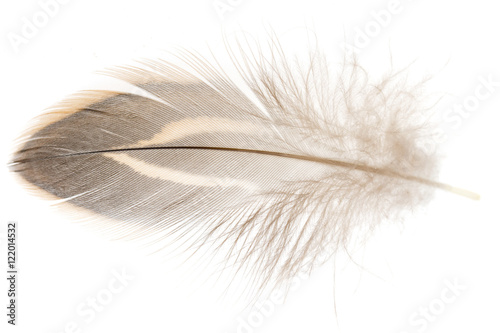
(272, 186)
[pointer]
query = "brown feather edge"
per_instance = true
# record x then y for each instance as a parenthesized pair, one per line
(106, 226)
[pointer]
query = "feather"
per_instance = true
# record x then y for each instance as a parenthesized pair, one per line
(272, 177)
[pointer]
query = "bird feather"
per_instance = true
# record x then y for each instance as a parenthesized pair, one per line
(273, 176)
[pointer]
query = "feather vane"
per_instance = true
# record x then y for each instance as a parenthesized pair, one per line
(272, 182)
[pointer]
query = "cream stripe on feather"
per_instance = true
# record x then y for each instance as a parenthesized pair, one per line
(177, 176)
(200, 125)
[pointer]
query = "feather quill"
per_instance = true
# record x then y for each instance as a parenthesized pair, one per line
(272, 182)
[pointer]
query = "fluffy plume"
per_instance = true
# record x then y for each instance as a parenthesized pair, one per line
(271, 180)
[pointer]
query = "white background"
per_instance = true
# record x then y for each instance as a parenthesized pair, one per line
(401, 269)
